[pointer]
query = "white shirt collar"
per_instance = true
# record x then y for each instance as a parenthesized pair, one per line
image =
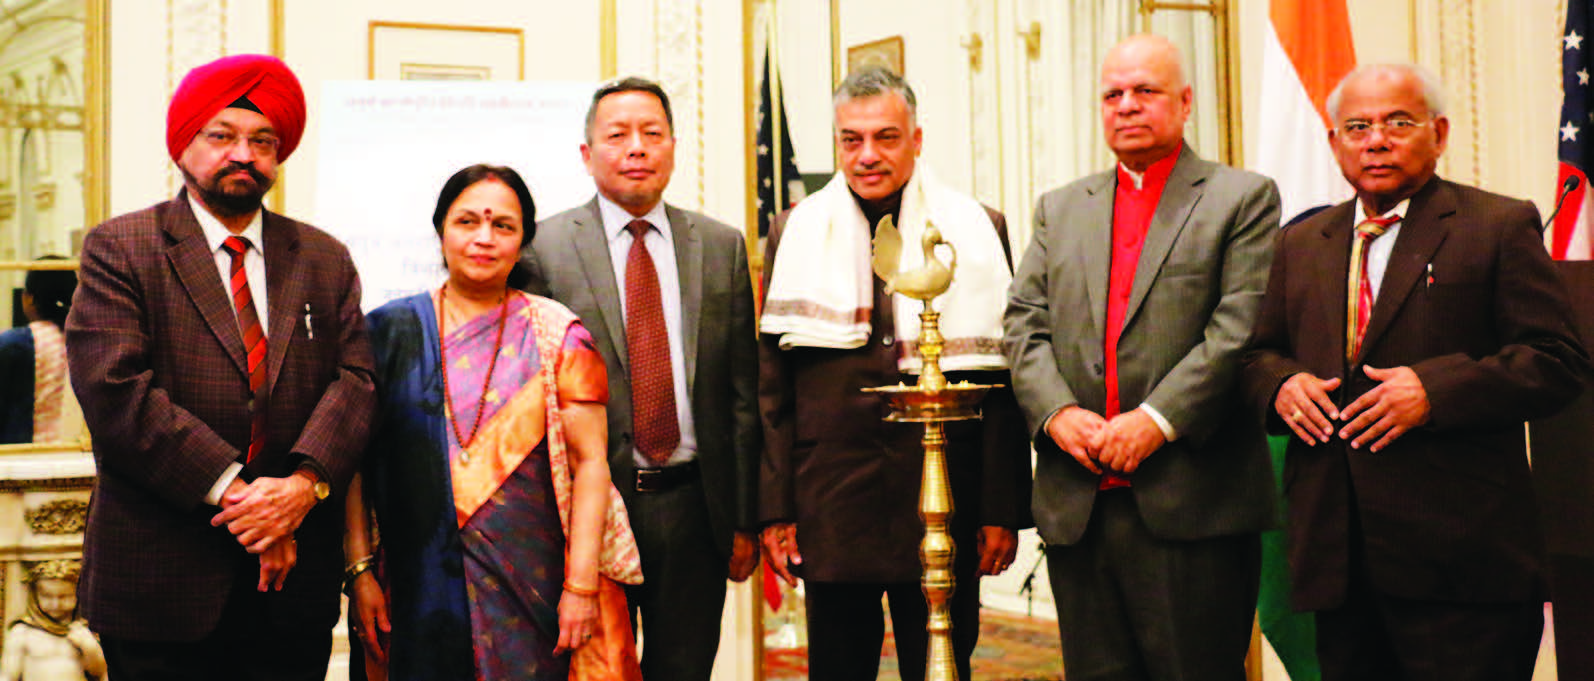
(616, 218)
(1399, 209)
(1138, 178)
(215, 232)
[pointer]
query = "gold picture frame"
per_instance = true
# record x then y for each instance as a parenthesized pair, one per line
(417, 51)
(885, 52)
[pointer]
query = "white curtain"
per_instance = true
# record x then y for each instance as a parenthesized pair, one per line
(1089, 29)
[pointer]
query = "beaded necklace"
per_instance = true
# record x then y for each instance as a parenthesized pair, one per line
(448, 395)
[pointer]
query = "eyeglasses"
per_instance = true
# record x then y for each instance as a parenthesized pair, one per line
(222, 138)
(1400, 128)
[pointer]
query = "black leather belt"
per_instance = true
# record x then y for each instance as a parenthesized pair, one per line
(667, 478)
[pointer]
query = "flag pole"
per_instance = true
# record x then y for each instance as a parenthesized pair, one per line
(776, 110)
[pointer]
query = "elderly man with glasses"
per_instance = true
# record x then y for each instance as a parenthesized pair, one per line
(1404, 338)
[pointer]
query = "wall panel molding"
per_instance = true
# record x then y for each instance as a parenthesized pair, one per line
(196, 32)
(988, 178)
(678, 66)
(1459, 71)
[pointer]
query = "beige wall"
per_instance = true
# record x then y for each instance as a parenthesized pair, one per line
(1499, 60)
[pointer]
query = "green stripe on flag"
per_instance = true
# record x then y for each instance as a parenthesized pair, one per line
(1293, 635)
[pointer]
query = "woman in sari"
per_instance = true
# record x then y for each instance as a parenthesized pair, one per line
(36, 404)
(486, 478)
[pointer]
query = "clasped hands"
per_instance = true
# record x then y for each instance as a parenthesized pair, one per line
(1119, 445)
(263, 516)
(1398, 404)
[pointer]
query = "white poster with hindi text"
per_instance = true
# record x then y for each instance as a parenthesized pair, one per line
(387, 147)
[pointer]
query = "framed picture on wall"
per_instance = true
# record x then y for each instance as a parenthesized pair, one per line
(411, 51)
(885, 52)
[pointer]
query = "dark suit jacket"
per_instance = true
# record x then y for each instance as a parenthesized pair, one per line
(1446, 511)
(158, 363)
(1197, 286)
(849, 479)
(569, 262)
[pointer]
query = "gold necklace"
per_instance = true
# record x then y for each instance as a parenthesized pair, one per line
(448, 395)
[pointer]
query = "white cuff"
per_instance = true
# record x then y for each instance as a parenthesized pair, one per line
(227, 476)
(1168, 433)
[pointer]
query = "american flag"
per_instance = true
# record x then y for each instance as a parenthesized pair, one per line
(1569, 236)
(773, 199)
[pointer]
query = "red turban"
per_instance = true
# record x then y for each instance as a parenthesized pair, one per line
(264, 80)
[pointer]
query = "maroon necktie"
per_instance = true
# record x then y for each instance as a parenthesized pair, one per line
(243, 302)
(1359, 306)
(648, 345)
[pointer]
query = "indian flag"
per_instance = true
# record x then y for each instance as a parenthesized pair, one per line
(1305, 55)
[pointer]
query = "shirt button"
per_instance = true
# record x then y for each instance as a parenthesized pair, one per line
(887, 340)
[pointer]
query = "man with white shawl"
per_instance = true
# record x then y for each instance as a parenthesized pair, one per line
(838, 481)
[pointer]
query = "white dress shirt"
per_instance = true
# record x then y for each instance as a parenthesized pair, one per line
(1380, 249)
(661, 248)
(255, 271)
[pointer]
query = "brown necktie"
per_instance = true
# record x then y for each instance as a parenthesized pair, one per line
(648, 345)
(1359, 293)
(243, 302)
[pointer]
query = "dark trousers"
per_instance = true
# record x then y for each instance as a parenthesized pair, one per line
(682, 594)
(1131, 606)
(846, 626)
(1375, 636)
(244, 646)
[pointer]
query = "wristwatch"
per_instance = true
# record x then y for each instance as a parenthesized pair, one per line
(320, 488)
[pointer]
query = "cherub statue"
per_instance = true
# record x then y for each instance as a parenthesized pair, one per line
(49, 642)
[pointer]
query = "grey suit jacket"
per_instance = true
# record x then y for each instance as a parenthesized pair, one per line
(1197, 287)
(569, 262)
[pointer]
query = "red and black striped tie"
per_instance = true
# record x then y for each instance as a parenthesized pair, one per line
(243, 301)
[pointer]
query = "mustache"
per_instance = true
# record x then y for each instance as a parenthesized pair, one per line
(256, 175)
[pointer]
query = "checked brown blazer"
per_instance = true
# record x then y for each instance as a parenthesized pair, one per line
(158, 364)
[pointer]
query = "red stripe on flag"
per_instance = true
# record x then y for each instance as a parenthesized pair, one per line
(1566, 220)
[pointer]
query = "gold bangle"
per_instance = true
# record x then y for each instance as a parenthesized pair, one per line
(589, 591)
(358, 568)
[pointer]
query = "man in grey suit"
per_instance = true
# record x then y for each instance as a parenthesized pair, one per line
(684, 435)
(1124, 327)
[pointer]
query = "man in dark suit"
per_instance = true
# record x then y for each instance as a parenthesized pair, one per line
(1125, 326)
(220, 357)
(672, 315)
(840, 485)
(1404, 338)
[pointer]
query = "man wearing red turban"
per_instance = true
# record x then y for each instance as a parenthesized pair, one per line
(220, 356)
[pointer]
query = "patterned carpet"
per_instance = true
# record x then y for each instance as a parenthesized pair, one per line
(1012, 648)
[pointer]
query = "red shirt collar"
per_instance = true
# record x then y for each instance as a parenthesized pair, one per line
(1155, 176)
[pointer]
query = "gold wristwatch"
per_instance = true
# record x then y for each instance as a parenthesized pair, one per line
(320, 488)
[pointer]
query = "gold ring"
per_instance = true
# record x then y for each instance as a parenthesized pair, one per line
(1296, 415)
